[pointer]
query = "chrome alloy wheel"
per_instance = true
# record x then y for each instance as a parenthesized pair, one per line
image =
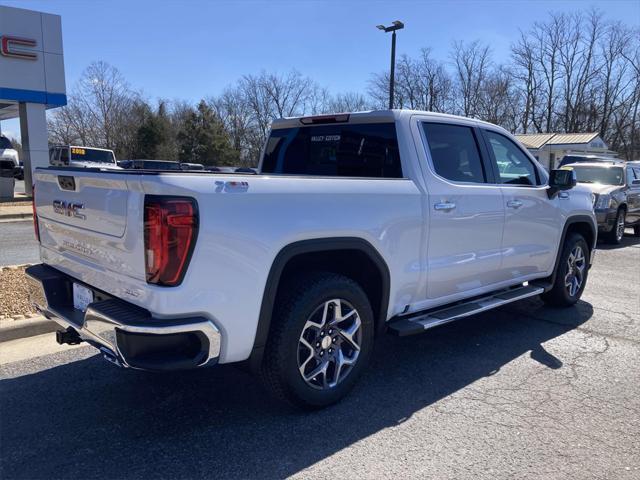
(329, 345)
(620, 226)
(576, 264)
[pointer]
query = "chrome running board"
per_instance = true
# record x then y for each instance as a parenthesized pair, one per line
(419, 322)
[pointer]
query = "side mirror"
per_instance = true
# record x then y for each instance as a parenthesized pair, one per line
(561, 180)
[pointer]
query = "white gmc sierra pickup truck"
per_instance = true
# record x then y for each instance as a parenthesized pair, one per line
(356, 224)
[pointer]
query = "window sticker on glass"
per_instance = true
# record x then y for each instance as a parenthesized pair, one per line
(325, 138)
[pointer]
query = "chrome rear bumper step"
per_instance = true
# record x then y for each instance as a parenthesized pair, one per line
(420, 322)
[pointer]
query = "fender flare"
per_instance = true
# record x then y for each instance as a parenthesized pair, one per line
(571, 221)
(313, 246)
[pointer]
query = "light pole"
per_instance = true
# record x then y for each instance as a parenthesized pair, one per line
(396, 25)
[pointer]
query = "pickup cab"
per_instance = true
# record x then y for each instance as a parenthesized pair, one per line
(355, 225)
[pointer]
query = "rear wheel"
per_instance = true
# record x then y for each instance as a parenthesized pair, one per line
(636, 231)
(571, 276)
(320, 341)
(617, 232)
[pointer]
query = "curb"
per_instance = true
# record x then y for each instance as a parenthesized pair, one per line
(16, 329)
(15, 267)
(15, 216)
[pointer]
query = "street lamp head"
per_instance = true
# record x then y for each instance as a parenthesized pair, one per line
(395, 25)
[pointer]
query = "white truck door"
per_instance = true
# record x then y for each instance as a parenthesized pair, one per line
(532, 222)
(466, 212)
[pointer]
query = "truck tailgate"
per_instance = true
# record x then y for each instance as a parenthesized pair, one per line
(90, 217)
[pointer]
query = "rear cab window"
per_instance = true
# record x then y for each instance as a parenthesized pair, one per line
(337, 150)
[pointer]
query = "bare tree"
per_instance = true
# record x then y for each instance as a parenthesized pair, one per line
(548, 38)
(437, 86)
(471, 64)
(525, 77)
(421, 84)
(99, 112)
(236, 117)
(347, 102)
(498, 101)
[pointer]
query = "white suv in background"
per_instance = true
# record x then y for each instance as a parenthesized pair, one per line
(7, 152)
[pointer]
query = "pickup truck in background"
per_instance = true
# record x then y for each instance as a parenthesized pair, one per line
(355, 225)
(616, 190)
(87, 157)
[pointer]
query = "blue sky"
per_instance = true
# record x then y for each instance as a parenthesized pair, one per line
(191, 49)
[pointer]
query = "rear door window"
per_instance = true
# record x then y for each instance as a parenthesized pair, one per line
(346, 150)
(454, 152)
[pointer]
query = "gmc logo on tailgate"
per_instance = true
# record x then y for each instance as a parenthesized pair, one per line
(69, 209)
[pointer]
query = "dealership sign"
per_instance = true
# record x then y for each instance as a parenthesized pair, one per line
(14, 47)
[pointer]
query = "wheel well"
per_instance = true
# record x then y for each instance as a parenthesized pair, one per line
(352, 257)
(585, 230)
(351, 263)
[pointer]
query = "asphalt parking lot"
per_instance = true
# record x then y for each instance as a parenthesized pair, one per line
(521, 392)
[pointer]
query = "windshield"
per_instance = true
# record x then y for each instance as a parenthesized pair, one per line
(5, 143)
(602, 175)
(83, 154)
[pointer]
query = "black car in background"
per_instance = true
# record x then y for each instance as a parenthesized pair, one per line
(159, 165)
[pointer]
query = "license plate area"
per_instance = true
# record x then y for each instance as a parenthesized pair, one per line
(82, 297)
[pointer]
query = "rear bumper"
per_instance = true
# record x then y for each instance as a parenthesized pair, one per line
(126, 334)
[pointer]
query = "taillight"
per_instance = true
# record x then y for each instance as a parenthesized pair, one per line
(170, 231)
(36, 227)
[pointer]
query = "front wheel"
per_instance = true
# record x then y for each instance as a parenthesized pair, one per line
(616, 234)
(572, 272)
(320, 341)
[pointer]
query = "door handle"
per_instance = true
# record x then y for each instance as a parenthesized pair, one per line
(446, 206)
(563, 195)
(514, 204)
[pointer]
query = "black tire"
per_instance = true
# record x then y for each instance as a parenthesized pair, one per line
(559, 295)
(298, 301)
(636, 231)
(614, 237)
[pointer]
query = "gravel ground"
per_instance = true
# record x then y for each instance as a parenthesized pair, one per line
(14, 301)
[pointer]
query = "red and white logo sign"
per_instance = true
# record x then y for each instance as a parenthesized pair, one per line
(14, 47)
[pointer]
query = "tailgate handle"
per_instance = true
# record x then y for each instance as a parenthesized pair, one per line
(67, 182)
